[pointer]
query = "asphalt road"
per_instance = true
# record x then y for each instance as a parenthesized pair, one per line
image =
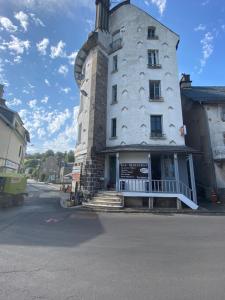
(47, 252)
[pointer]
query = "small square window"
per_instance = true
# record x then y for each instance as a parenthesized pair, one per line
(151, 33)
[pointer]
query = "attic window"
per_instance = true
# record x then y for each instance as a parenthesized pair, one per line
(151, 33)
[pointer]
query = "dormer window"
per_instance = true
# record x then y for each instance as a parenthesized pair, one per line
(151, 33)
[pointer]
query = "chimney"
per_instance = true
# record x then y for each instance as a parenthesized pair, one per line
(185, 81)
(102, 15)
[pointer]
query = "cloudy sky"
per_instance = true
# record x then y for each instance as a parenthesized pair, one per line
(39, 40)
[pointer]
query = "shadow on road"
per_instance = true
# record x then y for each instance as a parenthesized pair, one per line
(42, 222)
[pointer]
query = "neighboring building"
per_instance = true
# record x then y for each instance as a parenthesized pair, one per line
(49, 169)
(13, 138)
(130, 125)
(204, 116)
(66, 169)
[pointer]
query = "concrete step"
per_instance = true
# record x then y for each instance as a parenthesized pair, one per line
(99, 201)
(109, 193)
(106, 198)
(99, 205)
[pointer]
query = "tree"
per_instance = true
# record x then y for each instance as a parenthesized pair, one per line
(70, 156)
(49, 153)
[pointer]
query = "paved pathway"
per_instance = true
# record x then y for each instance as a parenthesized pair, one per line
(47, 252)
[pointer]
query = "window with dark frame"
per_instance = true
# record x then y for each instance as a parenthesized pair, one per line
(114, 94)
(113, 128)
(154, 89)
(153, 58)
(115, 63)
(79, 134)
(20, 151)
(151, 32)
(156, 126)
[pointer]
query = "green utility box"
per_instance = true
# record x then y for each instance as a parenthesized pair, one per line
(12, 189)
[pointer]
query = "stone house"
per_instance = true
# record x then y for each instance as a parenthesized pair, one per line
(204, 116)
(130, 125)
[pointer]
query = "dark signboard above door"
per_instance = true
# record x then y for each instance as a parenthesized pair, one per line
(133, 171)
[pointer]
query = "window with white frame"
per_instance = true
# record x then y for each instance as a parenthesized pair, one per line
(154, 89)
(153, 58)
(156, 126)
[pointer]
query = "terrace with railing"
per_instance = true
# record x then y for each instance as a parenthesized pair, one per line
(155, 187)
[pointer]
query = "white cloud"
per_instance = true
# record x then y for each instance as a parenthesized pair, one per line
(17, 59)
(58, 121)
(3, 79)
(205, 2)
(32, 103)
(66, 139)
(47, 82)
(16, 45)
(14, 102)
(23, 19)
(58, 50)
(65, 90)
(207, 49)
(42, 46)
(72, 57)
(41, 132)
(37, 21)
(161, 4)
(44, 100)
(51, 6)
(7, 24)
(63, 69)
(200, 27)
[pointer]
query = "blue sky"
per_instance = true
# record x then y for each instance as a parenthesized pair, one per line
(39, 40)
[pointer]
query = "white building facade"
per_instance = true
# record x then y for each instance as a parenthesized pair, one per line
(130, 125)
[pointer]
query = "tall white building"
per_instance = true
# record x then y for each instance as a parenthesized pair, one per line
(130, 125)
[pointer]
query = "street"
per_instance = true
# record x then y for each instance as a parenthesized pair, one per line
(48, 252)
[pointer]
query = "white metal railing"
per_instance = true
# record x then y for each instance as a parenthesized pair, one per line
(155, 186)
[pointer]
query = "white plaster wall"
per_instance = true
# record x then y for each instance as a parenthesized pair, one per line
(133, 109)
(216, 129)
(133, 157)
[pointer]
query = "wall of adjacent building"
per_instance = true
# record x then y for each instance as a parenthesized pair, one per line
(217, 131)
(10, 145)
(133, 109)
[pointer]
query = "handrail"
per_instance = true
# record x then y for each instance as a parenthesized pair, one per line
(155, 186)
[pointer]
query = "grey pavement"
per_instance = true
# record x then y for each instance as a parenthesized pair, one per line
(47, 252)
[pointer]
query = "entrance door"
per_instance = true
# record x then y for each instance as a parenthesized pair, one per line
(112, 171)
(156, 168)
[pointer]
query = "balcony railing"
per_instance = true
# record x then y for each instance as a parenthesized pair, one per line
(155, 186)
(115, 45)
